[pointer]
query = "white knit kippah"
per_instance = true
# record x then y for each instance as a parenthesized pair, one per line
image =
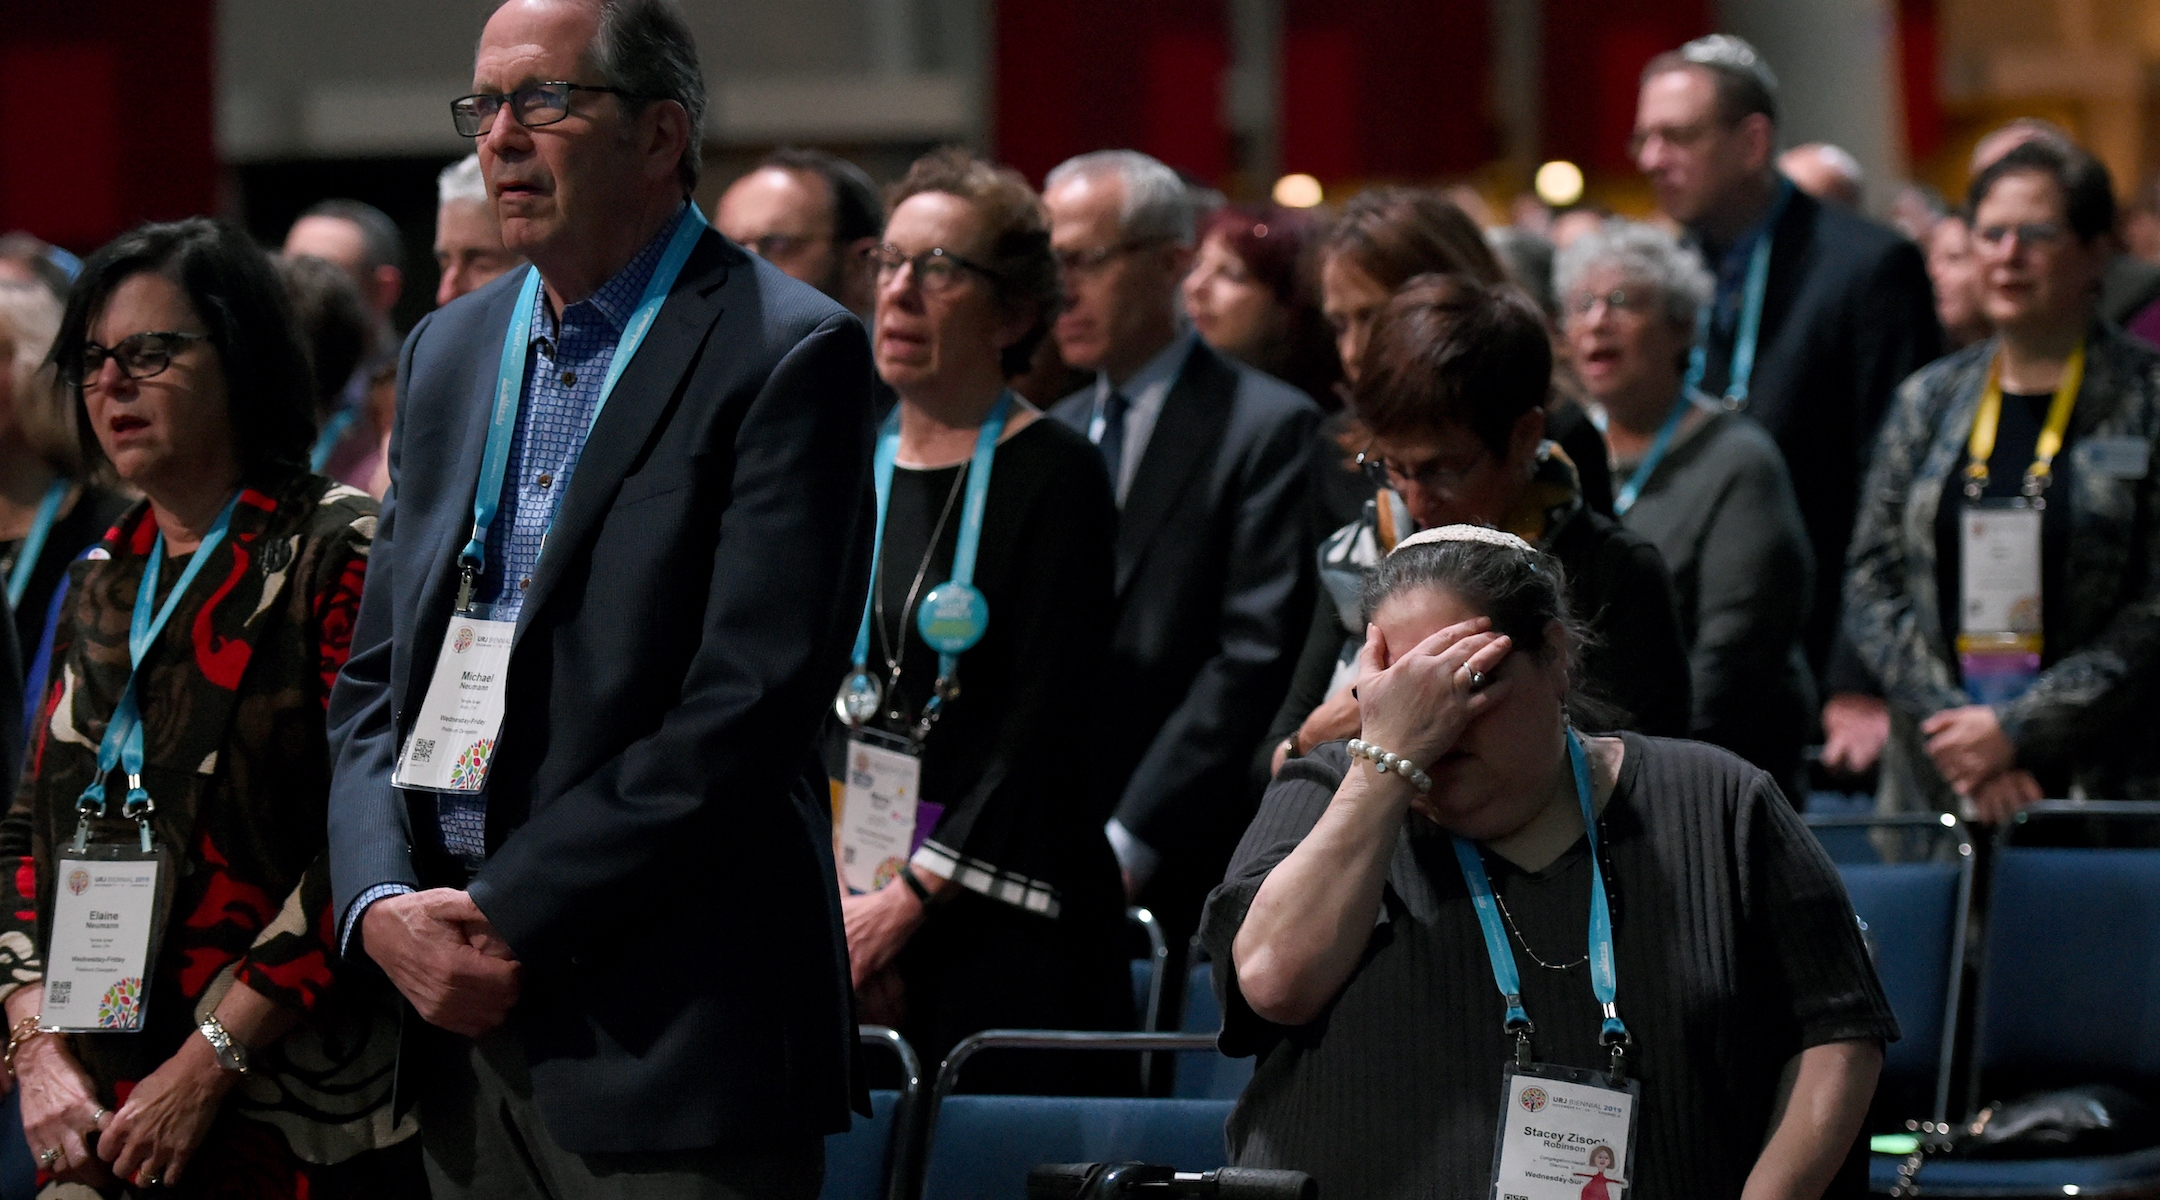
(1463, 533)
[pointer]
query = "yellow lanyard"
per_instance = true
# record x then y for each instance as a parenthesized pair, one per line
(1985, 422)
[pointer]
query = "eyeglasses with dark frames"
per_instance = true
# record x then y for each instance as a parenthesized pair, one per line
(533, 106)
(936, 269)
(139, 356)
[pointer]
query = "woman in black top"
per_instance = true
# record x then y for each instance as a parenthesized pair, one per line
(1960, 733)
(1451, 393)
(1352, 960)
(1011, 910)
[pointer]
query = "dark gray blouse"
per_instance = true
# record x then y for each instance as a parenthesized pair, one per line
(1736, 949)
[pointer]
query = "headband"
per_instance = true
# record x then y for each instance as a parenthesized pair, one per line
(1463, 533)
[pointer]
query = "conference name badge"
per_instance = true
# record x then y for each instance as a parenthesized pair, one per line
(452, 744)
(1999, 634)
(1565, 1134)
(97, 965)
(882, 817)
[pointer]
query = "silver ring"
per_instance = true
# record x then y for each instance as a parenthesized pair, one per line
(1478, 680)
(149, 1180)
(98, 1118)
(47, 1157)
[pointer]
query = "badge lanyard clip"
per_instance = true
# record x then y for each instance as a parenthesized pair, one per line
(1987, 419)
(1603, 978)
(953, 615)
(122, 746)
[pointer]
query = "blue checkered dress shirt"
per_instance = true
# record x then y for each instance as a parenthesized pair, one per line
(565, 364)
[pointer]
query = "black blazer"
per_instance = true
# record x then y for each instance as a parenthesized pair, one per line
(1214, 581)
(658, 833)
(1848, 313)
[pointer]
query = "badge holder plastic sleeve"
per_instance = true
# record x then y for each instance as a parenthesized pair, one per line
(160, 911)
(1579, 1077)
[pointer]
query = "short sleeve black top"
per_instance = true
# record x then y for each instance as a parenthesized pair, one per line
(1735, 945)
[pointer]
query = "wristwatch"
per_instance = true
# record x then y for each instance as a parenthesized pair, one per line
(1289, 748)
(231, 1055)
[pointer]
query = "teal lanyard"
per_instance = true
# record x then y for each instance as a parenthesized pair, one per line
(1649, 464)
(33, 543)
(1751, 306)
(1603, 981)
(333, 432)
(510, 386)
(972, 508)
(123, 743)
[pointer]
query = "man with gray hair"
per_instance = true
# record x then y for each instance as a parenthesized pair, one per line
(577, 813)
(1208, 459)
(1817, 316)
(468, 246)
(1829, 173)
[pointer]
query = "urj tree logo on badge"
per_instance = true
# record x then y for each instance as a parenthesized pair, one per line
(78, 880)
(471, 766)
(121, 1007)
(1533, 1099)
(464, 639)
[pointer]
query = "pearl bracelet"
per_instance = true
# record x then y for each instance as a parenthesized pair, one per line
(1386, 762)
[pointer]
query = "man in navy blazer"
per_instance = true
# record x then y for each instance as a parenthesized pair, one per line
(624, 957)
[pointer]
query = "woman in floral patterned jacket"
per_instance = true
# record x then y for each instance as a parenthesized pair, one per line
(2043, 219)
(257, 1071)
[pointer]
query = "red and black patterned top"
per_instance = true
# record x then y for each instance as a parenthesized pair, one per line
(237, 763)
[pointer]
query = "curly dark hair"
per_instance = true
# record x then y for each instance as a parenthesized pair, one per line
(232, 287)
(1016, 227)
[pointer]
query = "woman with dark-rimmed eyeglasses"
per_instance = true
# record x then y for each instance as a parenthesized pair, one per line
(1451, 390)
(980, 889)
(209, 1044)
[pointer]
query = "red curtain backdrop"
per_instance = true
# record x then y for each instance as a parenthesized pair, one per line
(1080, 75)
(1595, 51)
(105, 116)
(1919, 55)
(1386, 89)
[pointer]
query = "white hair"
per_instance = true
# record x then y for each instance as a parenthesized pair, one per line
(1157, 204)
(1644, 255)
(461, 180)
(1838, 159)
(29, 317)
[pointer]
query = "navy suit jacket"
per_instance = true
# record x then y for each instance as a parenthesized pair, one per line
(658, 830)
(1215, 578)
(1848, 314)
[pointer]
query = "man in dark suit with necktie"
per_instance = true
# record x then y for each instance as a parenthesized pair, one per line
(624, 956)
(1214, 572)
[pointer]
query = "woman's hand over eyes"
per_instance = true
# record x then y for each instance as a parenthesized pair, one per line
(1417, 704)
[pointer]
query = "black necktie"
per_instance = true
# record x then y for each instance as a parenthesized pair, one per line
(1113, 435)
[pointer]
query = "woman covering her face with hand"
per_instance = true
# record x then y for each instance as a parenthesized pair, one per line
(1007, 911)
(1451, 398)
(1655, 898)
(193, 658)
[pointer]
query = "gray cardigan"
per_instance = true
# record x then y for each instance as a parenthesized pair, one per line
(1720, 509)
